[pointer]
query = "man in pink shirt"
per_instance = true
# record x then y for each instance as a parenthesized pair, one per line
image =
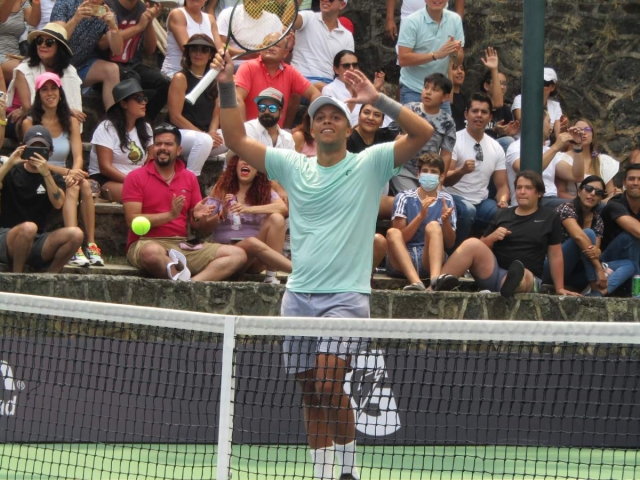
(269, 70)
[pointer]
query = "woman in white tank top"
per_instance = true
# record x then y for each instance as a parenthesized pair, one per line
(182, 24)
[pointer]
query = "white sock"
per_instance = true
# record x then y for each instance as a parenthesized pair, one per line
(323, 462)
(269, 273)
(346, 459)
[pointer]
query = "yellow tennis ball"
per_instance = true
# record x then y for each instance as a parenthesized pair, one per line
(140, 225)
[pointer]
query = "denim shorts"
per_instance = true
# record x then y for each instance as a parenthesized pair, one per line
(416, 259)
(300, 352)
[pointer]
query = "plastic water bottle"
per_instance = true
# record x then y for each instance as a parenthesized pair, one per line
(236, 221)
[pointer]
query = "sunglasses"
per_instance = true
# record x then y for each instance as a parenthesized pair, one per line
(263, 108)
(49, 42)
(165, 128)
(140, 99)
(479, 155)
(548, 83)
(353, 65)
(592, 189)
(200, 49)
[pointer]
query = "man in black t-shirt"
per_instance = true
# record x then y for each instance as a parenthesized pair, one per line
(29, 192)
(509, 258)
(621, 217)
(135, 22)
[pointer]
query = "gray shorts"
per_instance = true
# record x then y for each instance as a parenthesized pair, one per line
(300, 352)
(35, 255)
(494, 282)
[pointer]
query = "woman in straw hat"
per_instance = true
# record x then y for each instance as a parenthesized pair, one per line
(48, 52)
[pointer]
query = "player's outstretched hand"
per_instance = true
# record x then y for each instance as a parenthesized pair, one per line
(365, 92)
(223, 63)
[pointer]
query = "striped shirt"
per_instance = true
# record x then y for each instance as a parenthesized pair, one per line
(407, 205)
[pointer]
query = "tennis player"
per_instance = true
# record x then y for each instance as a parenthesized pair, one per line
(333, 205)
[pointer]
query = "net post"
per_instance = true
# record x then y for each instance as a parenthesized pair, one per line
(227, 389)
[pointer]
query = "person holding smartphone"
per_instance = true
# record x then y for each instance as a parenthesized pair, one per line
(91, 26)
(29, 192)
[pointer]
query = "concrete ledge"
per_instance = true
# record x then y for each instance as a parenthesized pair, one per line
(246, 298)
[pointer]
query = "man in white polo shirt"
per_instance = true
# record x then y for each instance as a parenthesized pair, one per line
(265, 128)
(319, 37)
(476, 158)
(428, 38)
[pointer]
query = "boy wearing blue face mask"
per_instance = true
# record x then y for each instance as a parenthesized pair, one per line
(423, 226)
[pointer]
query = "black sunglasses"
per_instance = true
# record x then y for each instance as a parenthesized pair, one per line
(479, 155)
(592, 189)
(263, 108)
(49, 42)
(548, 83)
(353, 65)
(200, 49)
(140, 98)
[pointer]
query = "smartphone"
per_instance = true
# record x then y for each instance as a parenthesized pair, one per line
(98, 10)
(30, 151)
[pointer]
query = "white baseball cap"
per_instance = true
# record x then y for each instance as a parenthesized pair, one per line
(550, 75)
(323, 100)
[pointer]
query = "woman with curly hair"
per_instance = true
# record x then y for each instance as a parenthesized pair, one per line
(244, 192)
(121, 142)
(48, 52)
(51, 110)
(595, 163)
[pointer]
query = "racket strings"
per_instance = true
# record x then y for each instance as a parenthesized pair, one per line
(258, 24)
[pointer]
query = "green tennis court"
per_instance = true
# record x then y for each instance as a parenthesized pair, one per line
(162, 461)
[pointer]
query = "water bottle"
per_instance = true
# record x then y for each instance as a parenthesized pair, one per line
(236, 221)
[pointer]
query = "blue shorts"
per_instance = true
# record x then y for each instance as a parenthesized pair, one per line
(84, 71)
(320, 79)
(416, 259)
(300, 352)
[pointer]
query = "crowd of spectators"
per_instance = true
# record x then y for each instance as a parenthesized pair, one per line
(461, 206)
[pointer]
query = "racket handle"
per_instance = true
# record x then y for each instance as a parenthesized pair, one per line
(202, 85)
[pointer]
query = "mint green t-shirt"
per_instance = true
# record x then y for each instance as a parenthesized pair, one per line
(332, 212)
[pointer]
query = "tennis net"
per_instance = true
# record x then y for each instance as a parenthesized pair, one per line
(94, 390)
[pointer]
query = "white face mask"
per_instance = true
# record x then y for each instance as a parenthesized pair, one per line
(429, 181)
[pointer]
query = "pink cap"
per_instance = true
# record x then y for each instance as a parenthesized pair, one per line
(45, 77)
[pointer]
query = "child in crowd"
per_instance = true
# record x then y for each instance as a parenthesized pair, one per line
(423, 226)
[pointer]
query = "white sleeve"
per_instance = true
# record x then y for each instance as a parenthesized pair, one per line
(223, 22)
(105, 136)
(517, 103)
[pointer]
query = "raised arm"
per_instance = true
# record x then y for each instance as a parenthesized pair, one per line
(418, 131)
(233, 131)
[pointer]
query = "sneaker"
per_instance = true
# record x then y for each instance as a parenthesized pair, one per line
(180, 261)
(513, 279)
(79, 259)
(95, 255)
(414, 287)
(272, 280)
(445, 283)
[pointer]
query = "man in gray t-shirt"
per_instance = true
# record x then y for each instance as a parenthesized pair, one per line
(436, 90)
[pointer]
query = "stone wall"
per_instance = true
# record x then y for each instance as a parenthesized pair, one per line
(249, 298)
(593, 45)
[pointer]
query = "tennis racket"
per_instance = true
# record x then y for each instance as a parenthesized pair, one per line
(254, 25)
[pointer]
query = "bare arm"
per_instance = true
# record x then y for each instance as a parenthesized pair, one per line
(105, 164)
(501, 181)
(6, 8)
(176, 99)
(242, 95)
(547, 156)
(33, 14)
(391, 27)
(459, 7)
(311, 93)
(23, 92)
(556, 265)
(418, 132)
(629, 225)
(491, 61)
(408, 230)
